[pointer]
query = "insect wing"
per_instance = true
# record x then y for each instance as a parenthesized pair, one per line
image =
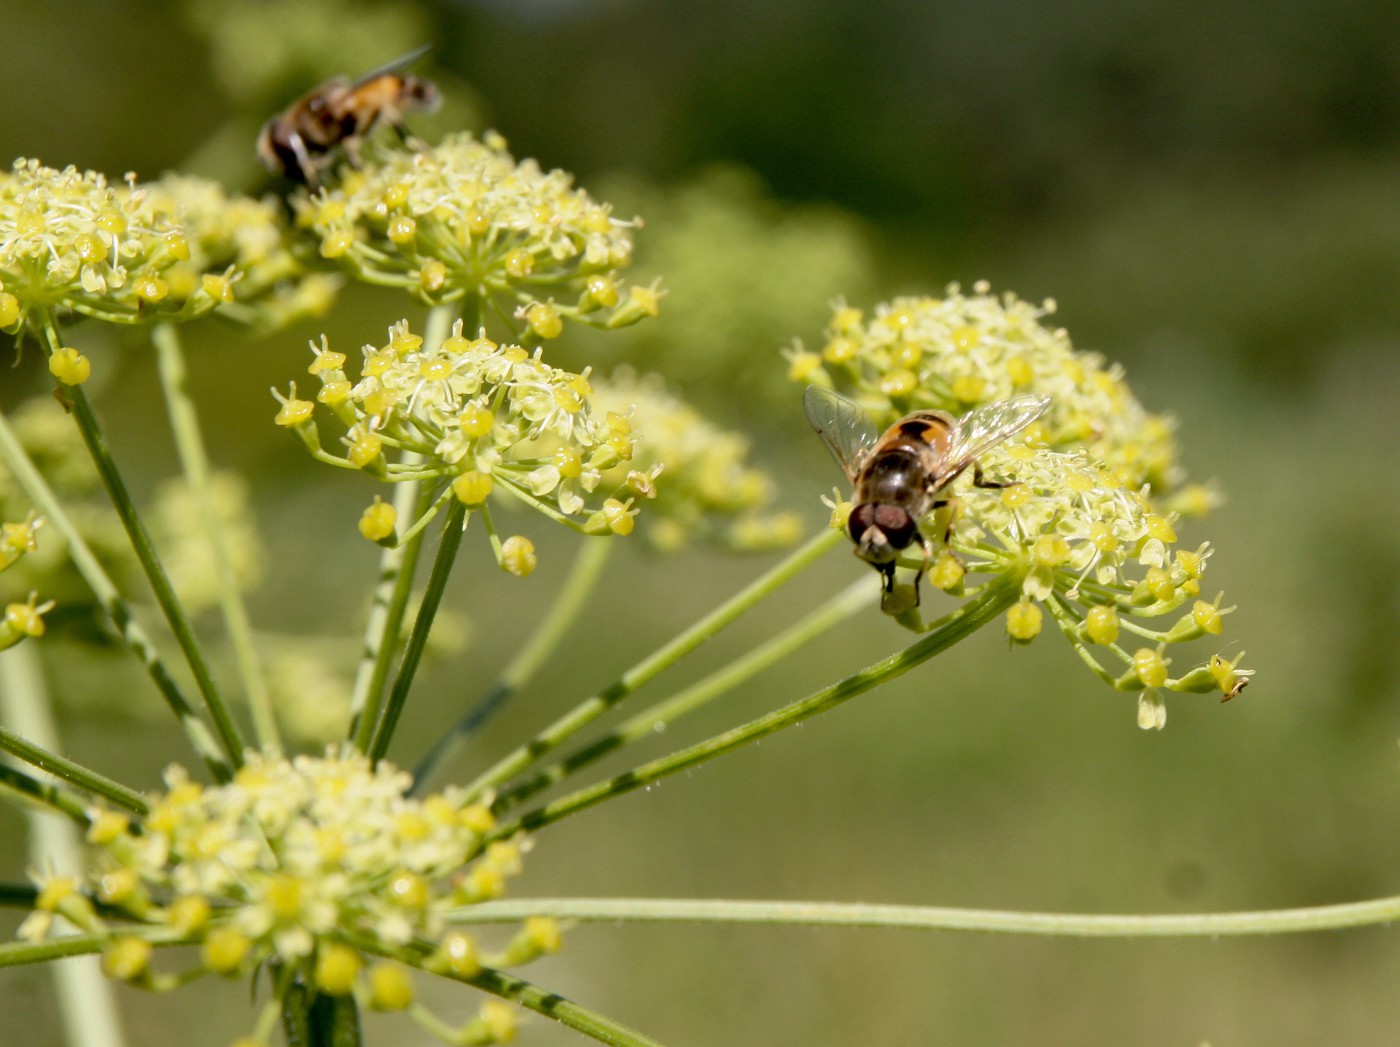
(842, 425)
(401, 62)
(986, 426)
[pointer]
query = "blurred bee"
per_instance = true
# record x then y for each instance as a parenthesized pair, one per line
(897, 476)
(299, 142)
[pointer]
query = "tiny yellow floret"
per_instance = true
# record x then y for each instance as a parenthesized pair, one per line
(390, 987)
(518, 556)
(377, 521)
(336, 968)
(1023, 621)
(473, 487)
(70, 366)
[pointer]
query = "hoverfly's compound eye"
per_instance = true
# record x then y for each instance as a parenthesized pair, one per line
(898, 525)
(862, 518)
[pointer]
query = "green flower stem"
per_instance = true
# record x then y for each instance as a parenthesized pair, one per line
(73, 773)
(317, 1019)
(17, 954)
(48, 795)
(189, 444)
(145, 551)
(86, 999)
(1379, 911)
(995, 598)
(448, 545)
(118, 611)
(590, 709)
(563, 611)
(397, 567)
(856, 596)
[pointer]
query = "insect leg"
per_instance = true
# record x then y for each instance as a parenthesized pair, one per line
(978, 480)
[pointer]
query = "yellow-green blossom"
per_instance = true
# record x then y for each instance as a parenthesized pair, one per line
(464, 218)
(482, 419)
(240, 253)
(1097, 556)
(694, 475)
(959, 351)
(70, 241)
(294, 862)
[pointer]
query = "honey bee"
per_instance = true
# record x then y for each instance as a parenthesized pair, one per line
(300, 141)
(897, 476)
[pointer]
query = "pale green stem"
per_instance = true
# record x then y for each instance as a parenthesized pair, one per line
(145, 552)
(85, 997)
(590, 709)
(16, 954)
(73, 773)
(856, 596)
(47, 795)
(995, 598)
(397, 567)
(448, 545)
(563, 611)
(116, 609)
(189, 444)
(1380, 911)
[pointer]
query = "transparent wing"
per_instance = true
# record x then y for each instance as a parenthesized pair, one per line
(842, 425)
(401, 62)
(990, 424)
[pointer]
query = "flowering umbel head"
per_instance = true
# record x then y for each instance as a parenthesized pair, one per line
(69, 241)
(464, 218)
(695, 475)
(481, 419)
(320, 864)
(1070, 517)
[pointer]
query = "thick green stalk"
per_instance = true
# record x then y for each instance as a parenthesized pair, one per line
(448, 545)
(563, 611)
(145, 552)
(397, 566)
(1377, 912)
(856, 596)
(189, 444)
(73, 773)
(116, 609)
(982, 609)
(47, 795)
(86, 999)
(590, 709)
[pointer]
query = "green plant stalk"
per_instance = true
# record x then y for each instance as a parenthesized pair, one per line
(448, 545)
(86, 999)
(316, 1019)
(995, 598)
(1379, 911)
(74, 773)
(856, 596)
(47, 795)
(18, 954)
(189, 444)
(590, 709)
(397, 566)
(140, 539)
(118, 611)
(563, 611)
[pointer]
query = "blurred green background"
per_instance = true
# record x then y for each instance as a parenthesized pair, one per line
(1212, 194)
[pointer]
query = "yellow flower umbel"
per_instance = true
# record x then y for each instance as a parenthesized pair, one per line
(69, 241)
(960, 351)
(238, 252)
(322, 864)
(694, 475)
(1093, 553)
(481, 419)
(464, 218)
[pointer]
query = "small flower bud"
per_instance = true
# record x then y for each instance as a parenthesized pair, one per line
(390, 987)
(1101, 624)
(1023, 621)
(473, 488)
(377, 522)
(336, 968)
(70, 366)
(518, 556)
(126, 958)
(1150, 667)
(224, 950)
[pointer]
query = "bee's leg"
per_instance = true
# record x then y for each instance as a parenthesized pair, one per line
(305, 164)
(923, 566)
(978, 480)
(887, 576)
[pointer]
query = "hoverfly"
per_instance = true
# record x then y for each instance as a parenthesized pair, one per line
(897, 477)
(298, 142)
